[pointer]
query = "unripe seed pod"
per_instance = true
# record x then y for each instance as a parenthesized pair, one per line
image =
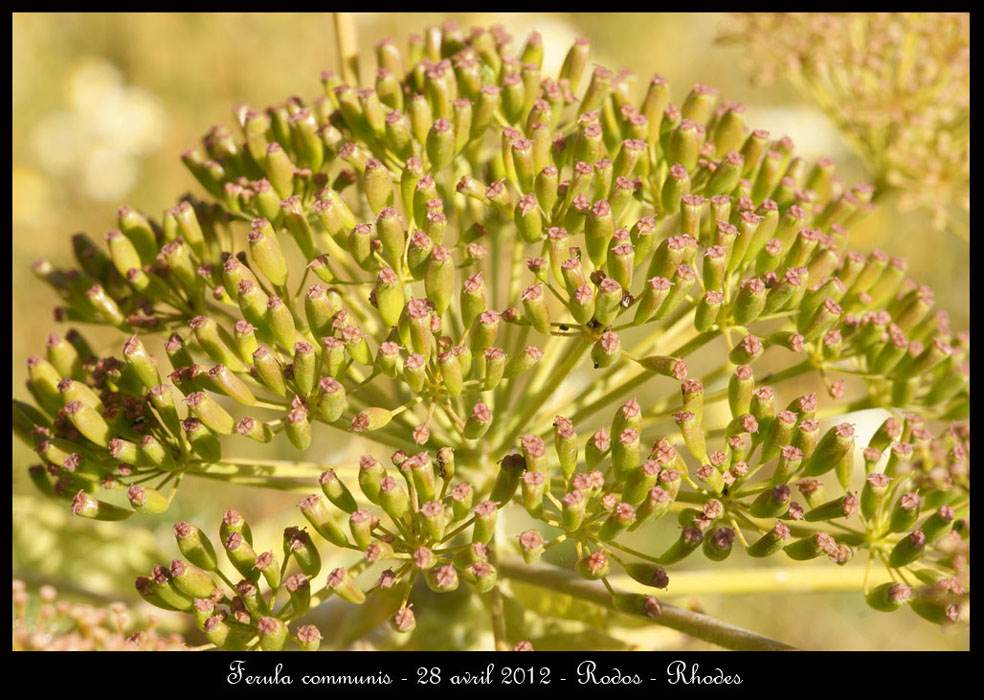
(939, 524)
(195, 546)
(372, 418)
(693, 433)
(315, 512)
(750, 301)
(657, 502)
(608, 303)
(204, 407)
(621, 517)
(606, 350)
(683, 279)
(451, 374)
(690, 538)
(626, 452)
(521, 361)
(87, 507)
(204, 443)
(473, 300)
(725, 177)
(594, 566)
(266, 253)
(442, 579)
(813, 491)
(830, 450)
(718, 543)
(810, 547)
(422, 472)
(905, 513)
(485, 517)
(340, 582)
(534, 485)
(772, 503)
(336, 491)
(805, 437)
(478, 421)
(907, 550)
(393, 499)
(223, 381)
(88, 421)
(654, 294)
(740, 389)
(888, 597)
(163, 589)
(536, 308)
(361, 523)
(598, 232)
(596, 448)
(191, 580)
(414, 371)
(843, 507)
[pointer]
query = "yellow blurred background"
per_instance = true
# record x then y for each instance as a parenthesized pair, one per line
(103, 104)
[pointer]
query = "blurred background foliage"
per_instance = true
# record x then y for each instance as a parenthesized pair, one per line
(103, 104)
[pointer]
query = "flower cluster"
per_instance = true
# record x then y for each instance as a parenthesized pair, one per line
(472, 231)
(59, 625)
(897, 85)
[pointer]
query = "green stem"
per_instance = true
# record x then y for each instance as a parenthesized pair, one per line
(686, 621)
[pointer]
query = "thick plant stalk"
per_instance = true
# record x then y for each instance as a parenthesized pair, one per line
(695, 624)
(347, 45)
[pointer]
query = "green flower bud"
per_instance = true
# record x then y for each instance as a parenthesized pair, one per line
(298, 428)
(534, 485)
